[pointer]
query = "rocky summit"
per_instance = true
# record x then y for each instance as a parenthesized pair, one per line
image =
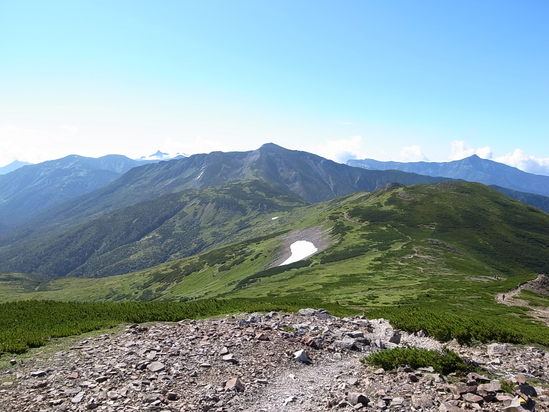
(307, 361)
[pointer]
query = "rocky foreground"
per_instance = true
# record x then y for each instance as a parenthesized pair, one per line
(269, 362)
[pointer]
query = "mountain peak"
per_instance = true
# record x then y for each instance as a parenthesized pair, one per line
(271, 146)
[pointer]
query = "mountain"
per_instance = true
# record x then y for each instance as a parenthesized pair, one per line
(428, 257)
(31, 189)
(16, 164)
(152, 232)
(306, 175)
(539, 201)
(472, 169)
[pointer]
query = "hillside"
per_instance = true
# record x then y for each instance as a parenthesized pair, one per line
(416, 254)
(149, 233)
(31, 189)
(308, 176)
(472, 169)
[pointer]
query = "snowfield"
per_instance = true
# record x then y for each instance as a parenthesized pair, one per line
(300, 250)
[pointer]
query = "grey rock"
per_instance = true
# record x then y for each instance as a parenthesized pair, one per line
(496, 349)
(78, 398)
(302, 356)
(355, 398)
(156, 366)
(422, 401)
(395, 338)
(234, 384)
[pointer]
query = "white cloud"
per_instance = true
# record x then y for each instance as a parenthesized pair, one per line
(519, 159)
(411, 154)
(341, 150)
(459, 150)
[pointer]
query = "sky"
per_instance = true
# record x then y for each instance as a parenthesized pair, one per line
(391, 80)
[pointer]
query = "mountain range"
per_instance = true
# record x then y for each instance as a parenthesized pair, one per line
(101, 217)
(16, 164)
(472, 169)
(430, 253)
(31, 189)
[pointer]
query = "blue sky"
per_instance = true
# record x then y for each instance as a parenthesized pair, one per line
(401, 80)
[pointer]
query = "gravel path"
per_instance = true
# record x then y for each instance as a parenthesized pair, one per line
(538, 285)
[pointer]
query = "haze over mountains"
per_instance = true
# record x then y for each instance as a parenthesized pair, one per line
(472, 169)
(31, 189)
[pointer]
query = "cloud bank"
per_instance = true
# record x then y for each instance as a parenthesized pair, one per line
(517, 158)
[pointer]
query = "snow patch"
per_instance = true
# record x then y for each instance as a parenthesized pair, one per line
(275, 217)
(300, 250)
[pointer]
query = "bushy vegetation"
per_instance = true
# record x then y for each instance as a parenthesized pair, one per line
(445, 363)
(32, 323)
(483, 325)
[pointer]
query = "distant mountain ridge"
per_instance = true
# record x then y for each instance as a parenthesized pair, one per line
(31, 189)
(16, 164)
(311, 177)
(472, 169)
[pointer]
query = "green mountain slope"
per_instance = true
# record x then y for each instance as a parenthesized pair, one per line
(429, 257)
(29, 190)
(308, 176)
(149, 233)
(388, 247)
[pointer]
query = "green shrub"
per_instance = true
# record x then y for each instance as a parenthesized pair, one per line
(445, 363)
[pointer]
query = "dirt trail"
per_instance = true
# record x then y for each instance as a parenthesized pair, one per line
(538, 285)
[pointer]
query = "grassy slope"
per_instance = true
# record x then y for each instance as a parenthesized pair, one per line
(427, 257)
(149, 233)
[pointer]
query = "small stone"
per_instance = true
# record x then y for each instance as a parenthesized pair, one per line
(395, 338)
(357, 398)
(413, 377)
(422, 401)
(496, 349)
(520, 378)
(234, 384)
(352, 381)
(230, 358)
(379, 371)
(172, 396)
(477, 377)
(302, 356)
(156, 366)
(13, 362)
(38, 374)
(494, 386)
(397, 401)
(262, 337)
(472, 398)
(78, 398)
(461, 388)
(224, 351)
(56, 402)
(428, 369)
(447, 407)
(289, 399)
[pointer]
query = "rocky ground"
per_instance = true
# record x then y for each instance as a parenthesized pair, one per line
(268, 362)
